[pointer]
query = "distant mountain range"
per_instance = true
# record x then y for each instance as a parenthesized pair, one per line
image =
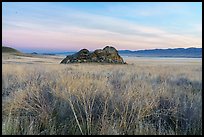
(176, 52)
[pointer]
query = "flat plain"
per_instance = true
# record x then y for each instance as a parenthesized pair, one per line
(156, 96)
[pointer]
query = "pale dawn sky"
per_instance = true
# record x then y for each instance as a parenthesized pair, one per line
(71, 26)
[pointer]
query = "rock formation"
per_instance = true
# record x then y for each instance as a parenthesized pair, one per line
(106, 55)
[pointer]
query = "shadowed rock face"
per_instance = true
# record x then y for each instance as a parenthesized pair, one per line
(106, 55)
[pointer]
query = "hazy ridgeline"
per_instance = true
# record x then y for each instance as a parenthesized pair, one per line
(102, 99)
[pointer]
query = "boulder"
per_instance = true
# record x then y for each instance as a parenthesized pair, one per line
(106, 55)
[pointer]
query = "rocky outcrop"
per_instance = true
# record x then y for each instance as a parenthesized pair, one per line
(106, 55)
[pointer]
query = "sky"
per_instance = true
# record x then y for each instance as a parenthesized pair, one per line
(71, 26)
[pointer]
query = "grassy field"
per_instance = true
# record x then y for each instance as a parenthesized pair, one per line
(144, 97)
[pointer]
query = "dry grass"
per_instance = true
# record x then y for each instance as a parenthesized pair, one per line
(144, 97)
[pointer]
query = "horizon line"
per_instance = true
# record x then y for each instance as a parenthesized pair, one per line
(60, 51)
